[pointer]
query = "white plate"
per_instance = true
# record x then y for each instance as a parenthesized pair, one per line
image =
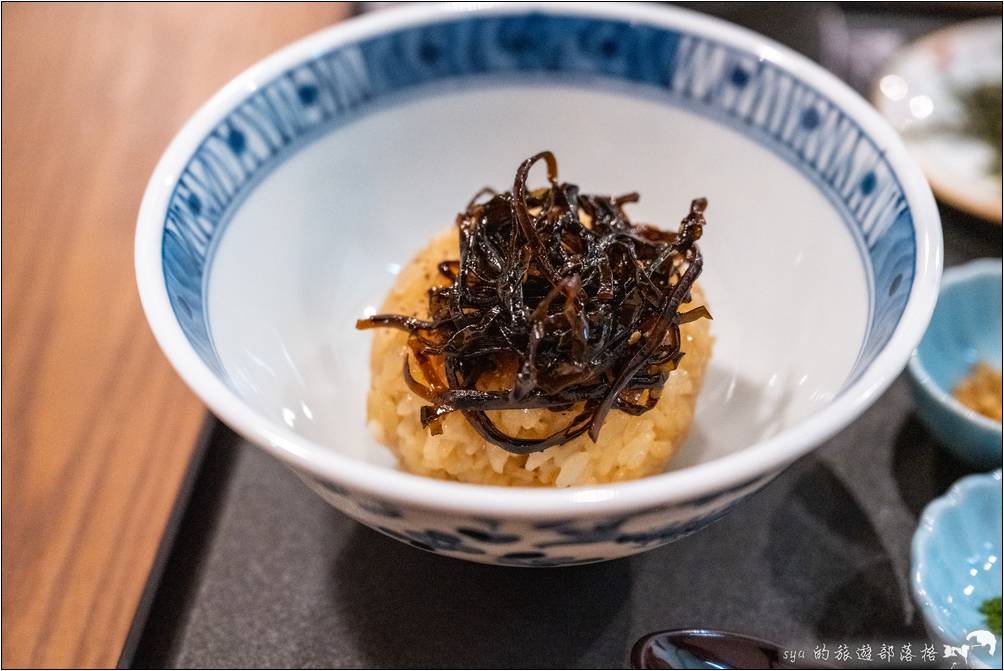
(918, 92)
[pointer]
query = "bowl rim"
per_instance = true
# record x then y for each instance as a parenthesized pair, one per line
(962, 274)
(730, 472)
(924, 536)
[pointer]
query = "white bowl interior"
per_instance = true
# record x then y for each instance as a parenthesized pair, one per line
(317, 243)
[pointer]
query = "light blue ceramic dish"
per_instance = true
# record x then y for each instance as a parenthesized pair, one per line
(957, 565)
(965, 329)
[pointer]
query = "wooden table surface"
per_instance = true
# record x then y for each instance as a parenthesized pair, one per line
(97, 428)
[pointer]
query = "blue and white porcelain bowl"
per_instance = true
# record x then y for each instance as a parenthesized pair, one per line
(965, 330)
(956, 566)
(282, 211)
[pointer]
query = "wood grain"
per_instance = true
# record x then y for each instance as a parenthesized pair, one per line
(97, 428)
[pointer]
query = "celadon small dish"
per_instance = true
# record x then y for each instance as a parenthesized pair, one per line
(956, 566)
(965, 329)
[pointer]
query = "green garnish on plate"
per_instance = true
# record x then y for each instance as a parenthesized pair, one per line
(991, 609)
(982, 104)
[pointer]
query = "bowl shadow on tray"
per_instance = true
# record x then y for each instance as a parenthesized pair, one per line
(969, 237)
(923, 469)
(838, 568)
(473, 615)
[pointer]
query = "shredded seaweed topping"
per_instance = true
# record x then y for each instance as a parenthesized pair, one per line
(557, 302)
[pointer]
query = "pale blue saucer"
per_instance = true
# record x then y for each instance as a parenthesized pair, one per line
(956, 565)
(965, 329)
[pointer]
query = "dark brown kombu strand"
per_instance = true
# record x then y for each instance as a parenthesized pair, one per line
(547, 311)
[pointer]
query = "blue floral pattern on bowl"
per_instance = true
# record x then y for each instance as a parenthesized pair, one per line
(957, 565)
(735, 88)
(535, 543)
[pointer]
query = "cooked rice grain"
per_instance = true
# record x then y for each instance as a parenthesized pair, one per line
(628, 447)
